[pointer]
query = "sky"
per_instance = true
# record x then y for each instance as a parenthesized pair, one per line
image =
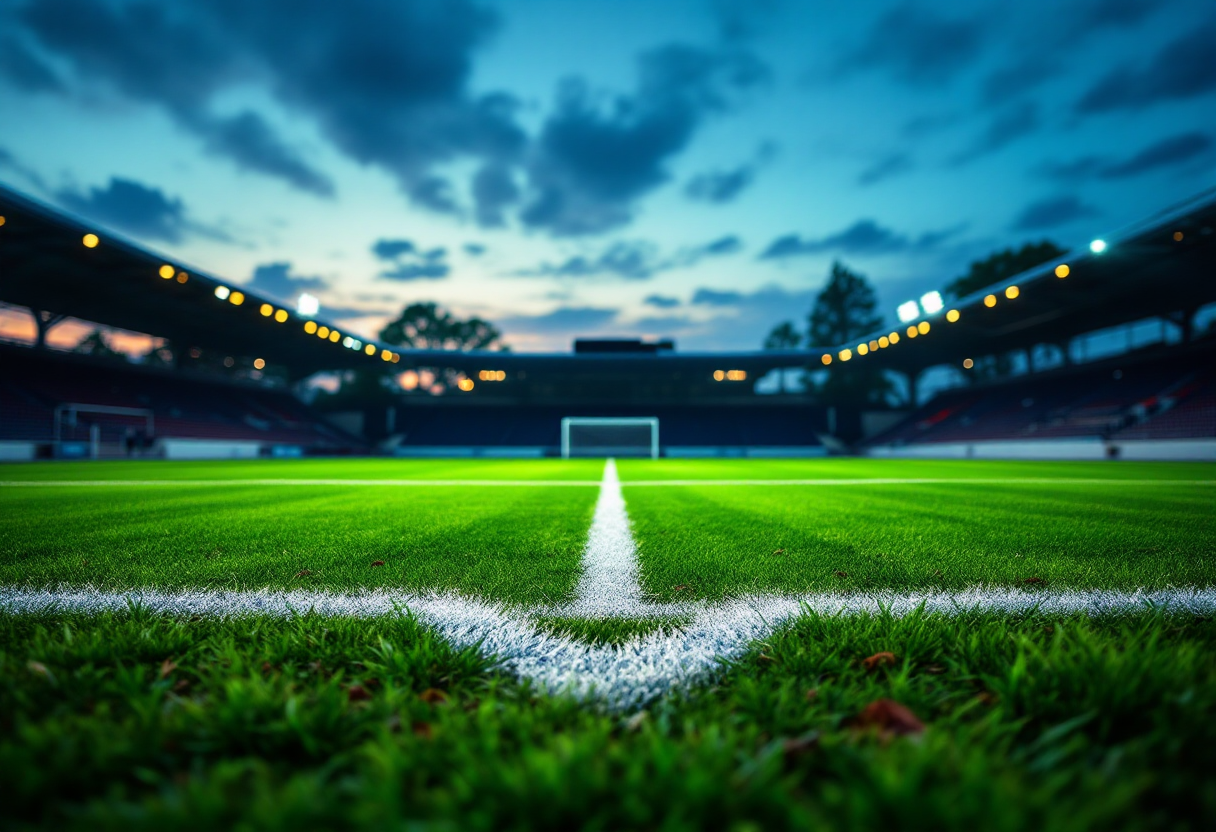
(684, 169)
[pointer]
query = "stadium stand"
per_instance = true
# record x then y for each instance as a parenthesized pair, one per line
(56, 401)
(1164, 395)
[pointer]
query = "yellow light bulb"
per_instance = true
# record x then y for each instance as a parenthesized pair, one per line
(167, 271)
(90, 241)
(1012, 292)
(952, 315)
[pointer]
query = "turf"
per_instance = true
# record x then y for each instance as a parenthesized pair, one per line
(505, 543)
(139, 722)
(711, 541)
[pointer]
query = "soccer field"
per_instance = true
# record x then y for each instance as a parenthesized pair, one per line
(646, 643)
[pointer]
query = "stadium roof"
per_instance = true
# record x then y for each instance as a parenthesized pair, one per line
(1158, 267)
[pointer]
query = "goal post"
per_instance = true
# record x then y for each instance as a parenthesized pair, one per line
(607, 436)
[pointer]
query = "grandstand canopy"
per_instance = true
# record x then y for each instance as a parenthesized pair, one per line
(1163, 266)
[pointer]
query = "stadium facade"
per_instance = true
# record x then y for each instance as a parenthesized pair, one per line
(1154, 401)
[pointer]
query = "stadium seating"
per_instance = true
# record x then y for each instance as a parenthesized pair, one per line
(179, 406)
(1170, 397)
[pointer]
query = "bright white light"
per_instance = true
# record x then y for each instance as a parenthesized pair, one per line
(908, 311)
(931, 303)
(222, 292)
(348, 342)
(307, 305)
(1097, 246)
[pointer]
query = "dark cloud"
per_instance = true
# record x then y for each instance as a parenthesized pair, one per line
(661, 301)
(1171, 151)
(8, 160)
(566, 319)
(1052, 213)
(720, 186)
(887, 167)
(276, 280)
(1166, 153)
(409, 262)
(742, 20)
(494, 190)
(864, 237)
(918, 46)
(714, 297)
(26, 70)
(474, 249)
(1182, 69)
(132, 207)
(634, 260)
(595, 156)
(250, 142)
(386, 84)
(1008, 127)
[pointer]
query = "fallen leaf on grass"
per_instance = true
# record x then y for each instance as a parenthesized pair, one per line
(986, 698)
(878, 660)
(795, 747)
(1033, 581)
(433, 696)
(779, 552)
(423, 730)
(812, 694)
(303, 573)
(679, 587)
(358, 693)
(935, 669)
(377, 563)
(766, 659)
(167, 667)
(840, 574)
(181, 686)
(890, 718)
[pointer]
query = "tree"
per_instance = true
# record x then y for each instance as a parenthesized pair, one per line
(1002, 265)
(844, 310)
(427, 326)
(97, 345)
(783, 337)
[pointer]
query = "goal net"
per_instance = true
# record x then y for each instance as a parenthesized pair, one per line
(602, 437)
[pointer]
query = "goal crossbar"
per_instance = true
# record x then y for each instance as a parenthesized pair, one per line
(574, 422)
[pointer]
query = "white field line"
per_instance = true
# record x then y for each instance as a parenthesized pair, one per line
(609, 583)
(595, 483)
(623, 676)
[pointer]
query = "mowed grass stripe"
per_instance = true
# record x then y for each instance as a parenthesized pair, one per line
(595, 483)
(522, 545)
(704, 542)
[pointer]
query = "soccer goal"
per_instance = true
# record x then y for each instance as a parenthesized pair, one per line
(626, 436)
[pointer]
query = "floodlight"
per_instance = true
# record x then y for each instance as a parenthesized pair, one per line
(90, 241)
(1062, 271)
(908, 311)
(167, 271)
(1098, 246)
(952, 315)
(222, 292)
(307, 305)
(931, 302)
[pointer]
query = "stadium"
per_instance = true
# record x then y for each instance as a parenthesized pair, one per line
(267, 569)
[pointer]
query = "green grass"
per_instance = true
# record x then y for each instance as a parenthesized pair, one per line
(1032, 723)
(506, 543)
(714, 540)
(522, 544)
(610, 630)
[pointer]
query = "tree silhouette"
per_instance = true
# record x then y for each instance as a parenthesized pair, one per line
(784, 336)
(428, 326)
(1002, 265)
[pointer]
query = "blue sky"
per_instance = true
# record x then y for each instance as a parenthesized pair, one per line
(683, 169)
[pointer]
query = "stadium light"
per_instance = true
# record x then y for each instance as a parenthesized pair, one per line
(923, 327)
(1178, 235)
(1062, 271)
(348, 342)
(465, 384)
(1, 220)
(307, 305)
(846, 354)
(863, 348)
(281, 315)
(1012, 292)
(968, 363)
(236, 298)
(182, 277)
(370, 349)
(323, 332)
(953, 315)
(1098, 246)
(266, 310)
(167, 271)
(911, 331)
(310, 327)
(259, 363)
(90, 241)
(222, 292)
(893, 337)
(931, 302)
(731, 375)
(719, 375)
(884, 342)
(908, 311)
(990, 301)
(827, 359)
(334, 336)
